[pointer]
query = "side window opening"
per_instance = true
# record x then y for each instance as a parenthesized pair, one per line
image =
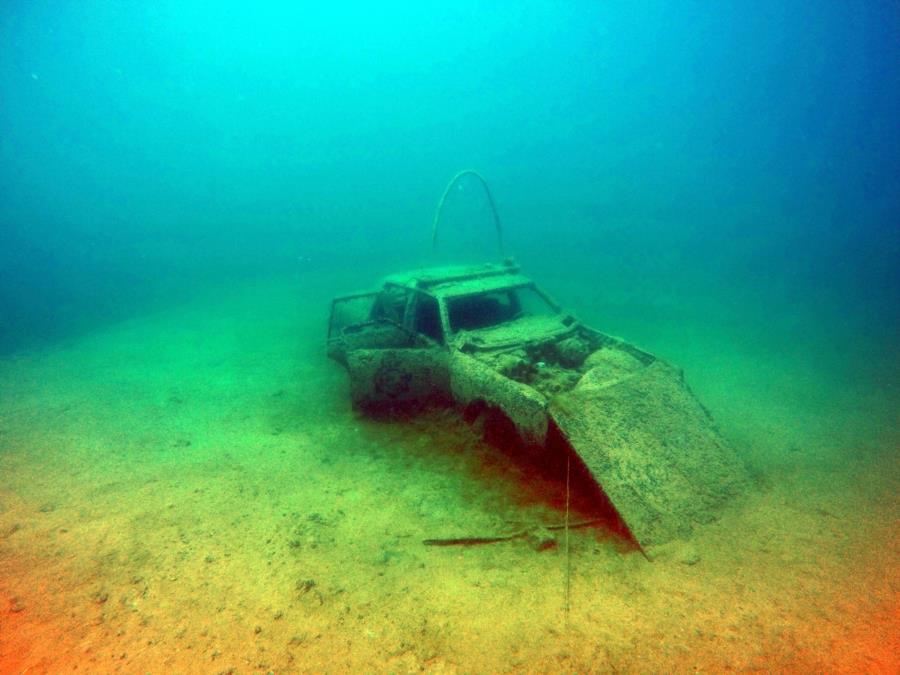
(428, 318)
(390, 305)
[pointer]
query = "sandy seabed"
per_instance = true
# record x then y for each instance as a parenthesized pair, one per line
(191, 492)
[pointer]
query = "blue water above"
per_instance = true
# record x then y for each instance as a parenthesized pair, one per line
(729, 156)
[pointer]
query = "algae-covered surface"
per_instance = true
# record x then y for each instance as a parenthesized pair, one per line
(190, 491)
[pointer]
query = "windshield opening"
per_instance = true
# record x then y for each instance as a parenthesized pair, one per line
(483, 310)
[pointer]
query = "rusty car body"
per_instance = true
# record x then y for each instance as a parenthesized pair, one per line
(487, 336)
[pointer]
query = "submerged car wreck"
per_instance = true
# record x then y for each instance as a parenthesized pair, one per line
(486, 337)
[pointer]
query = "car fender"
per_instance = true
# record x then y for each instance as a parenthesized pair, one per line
(471, 381)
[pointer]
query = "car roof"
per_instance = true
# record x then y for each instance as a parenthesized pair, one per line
(474, 286)
(461, 279)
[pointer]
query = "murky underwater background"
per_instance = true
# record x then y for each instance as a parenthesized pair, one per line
(183, 188)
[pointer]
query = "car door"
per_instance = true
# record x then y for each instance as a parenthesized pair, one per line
(414, 373)
(357, 321)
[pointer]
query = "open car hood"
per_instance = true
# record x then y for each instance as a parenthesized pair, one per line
(652, 447)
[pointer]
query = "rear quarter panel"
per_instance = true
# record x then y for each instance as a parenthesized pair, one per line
(394, 377)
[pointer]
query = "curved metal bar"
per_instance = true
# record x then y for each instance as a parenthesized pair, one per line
(490, 198)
